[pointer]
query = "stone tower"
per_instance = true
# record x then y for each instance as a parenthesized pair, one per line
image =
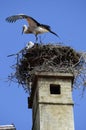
(51, 101)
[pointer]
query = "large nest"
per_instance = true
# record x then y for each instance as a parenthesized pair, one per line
(50, 57)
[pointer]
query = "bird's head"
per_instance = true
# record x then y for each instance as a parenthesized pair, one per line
(24, 29)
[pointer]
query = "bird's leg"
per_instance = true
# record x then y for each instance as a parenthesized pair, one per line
(36, 38)
(40, 40)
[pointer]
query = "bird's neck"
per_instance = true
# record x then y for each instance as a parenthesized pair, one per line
(25, 29)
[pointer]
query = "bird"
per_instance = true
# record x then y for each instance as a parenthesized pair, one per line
(34, 26)
(29, 45)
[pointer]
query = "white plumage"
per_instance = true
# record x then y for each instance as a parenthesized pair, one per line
(29, 45)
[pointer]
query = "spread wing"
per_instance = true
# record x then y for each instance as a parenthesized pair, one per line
(30, 20)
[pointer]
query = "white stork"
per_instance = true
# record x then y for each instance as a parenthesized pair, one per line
(34, 26)
(29, 45)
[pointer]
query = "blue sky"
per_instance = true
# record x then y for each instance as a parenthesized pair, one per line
(66, 18)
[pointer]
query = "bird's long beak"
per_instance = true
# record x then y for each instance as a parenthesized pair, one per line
(22, 30)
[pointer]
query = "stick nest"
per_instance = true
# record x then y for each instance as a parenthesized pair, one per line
(49, 58)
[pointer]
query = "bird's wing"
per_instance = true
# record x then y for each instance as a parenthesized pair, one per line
(54, 34)
(49, 29)
(45, 26)
(30, 20)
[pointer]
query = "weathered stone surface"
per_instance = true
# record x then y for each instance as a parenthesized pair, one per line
(53, 111)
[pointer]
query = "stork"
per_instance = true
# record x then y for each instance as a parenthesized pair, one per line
(34, 27)
(29, 45)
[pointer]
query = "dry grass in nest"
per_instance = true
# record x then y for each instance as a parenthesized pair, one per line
(50, 58)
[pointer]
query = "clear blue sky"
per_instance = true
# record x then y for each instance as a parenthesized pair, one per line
(68, 19)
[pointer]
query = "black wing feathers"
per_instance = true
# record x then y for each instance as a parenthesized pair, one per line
(54, 33)
(45, 26)
(49, 29)
(14, 18)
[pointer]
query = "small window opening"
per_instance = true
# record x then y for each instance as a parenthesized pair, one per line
(55, 89)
